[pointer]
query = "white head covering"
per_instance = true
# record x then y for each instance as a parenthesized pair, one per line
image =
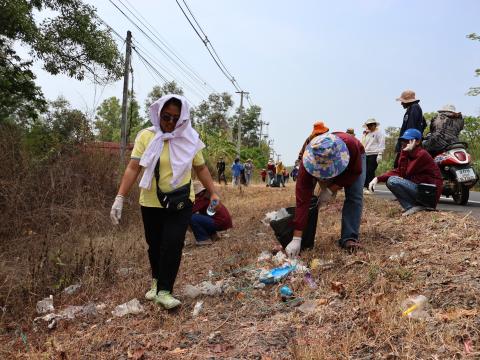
(184, 143)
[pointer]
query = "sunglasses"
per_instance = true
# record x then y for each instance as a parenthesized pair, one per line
(169, 118)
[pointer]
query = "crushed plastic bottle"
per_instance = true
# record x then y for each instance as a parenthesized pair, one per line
(46, 305)
(415, 307)
(131, 307)
(211, 208)
(286, 293)
(72, 289)
(197, 308)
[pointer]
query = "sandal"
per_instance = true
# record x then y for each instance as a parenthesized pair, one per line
(352, 245)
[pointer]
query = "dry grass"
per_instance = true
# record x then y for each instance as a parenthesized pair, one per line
(441, 261)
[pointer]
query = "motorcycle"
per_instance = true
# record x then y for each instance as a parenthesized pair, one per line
(457, 172)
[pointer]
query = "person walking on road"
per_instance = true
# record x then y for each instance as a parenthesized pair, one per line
(412, 119)
(221, 171)
(166, 152)
(248, 172)
(237, 169)
(279, 171)
(416, 171)
(373, 141)
(334, 161)
(271, 171)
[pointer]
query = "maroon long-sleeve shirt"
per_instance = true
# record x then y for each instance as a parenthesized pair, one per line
(222, 217)
(417, 166)
(306, 182)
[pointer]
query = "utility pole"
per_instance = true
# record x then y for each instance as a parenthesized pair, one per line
(123, 125)
(239, 132)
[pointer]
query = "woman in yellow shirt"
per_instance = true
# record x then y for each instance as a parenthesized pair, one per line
(167, 151)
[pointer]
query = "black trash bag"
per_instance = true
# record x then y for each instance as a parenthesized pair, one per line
(283, 228)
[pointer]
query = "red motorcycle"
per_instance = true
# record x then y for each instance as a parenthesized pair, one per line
(457, 172)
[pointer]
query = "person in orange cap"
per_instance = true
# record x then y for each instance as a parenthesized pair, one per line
(319, 128)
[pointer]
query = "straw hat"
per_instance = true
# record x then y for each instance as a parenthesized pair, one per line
(448, 108)
(198, 187)
(408, 96)
(326, 156)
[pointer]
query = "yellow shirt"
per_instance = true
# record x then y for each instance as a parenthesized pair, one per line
(149, 198)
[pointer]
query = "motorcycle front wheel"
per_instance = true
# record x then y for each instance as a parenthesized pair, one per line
(461, 194)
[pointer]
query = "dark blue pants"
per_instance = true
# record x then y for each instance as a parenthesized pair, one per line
(203, 226)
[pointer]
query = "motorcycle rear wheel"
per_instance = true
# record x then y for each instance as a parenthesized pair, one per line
(461, 194)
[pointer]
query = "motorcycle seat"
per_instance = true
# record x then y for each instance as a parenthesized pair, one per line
(459, 145)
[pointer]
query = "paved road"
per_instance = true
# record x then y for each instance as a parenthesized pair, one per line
(446, 204)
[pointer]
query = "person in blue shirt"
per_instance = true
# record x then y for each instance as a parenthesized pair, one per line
(237, 168)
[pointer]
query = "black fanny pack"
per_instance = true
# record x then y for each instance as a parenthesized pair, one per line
(175, 200)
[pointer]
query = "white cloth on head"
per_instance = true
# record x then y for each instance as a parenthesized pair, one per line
(184, 143)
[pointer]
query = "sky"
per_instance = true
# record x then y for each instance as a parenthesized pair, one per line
(340, 62)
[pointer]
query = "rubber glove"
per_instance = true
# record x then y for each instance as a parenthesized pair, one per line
(372, 184)
(379, 158)
(410, 146)
(293, 248)
(116, 212)
(326, 195)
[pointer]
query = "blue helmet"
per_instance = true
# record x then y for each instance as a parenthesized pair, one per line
(411, 134)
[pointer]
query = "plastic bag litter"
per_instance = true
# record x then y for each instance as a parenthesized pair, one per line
(279, 258)
(277, 274)
(46, 305)
(396, 257)
(206, 288)
(264, 256)
(197, 308)
(72, 289)
(275, 215)
(131, 307)
(415, 307)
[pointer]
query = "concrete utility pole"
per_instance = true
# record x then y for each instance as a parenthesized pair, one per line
(123, 125)
(239, 132)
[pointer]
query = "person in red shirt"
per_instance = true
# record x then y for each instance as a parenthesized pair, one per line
(335, 161)
(263, 174)
(271, 172)
(415, 166)
(205, 227)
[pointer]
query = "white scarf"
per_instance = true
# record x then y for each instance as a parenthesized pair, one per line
(184, 144)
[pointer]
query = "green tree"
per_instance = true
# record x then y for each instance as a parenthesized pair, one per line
(250, 125)
(213, 113)
(474, 91)
(109, 115)
(66, 35)
(159, 91)
(471, 130)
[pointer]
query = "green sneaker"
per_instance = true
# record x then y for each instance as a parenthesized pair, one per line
(166, 299)
(150, 295)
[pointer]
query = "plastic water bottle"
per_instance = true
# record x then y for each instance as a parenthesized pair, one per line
(211, 208)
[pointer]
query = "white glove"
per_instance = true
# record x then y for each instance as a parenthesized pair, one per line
(410, 146)
(116, 212)
(379, 158)
(372, 184)
(293, 248)
(325, 196)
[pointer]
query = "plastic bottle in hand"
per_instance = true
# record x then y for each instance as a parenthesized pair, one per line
(211, 208)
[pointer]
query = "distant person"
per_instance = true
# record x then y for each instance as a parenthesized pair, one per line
(318, 129)
(248, 172)
(413, 118)
(279, 170)
(415, 167)
(166, 152)
(221, 171)
(351, 131)
(294, 173)
(286, 176)
(204, 226)
(334, 161)
(237, 169)
(263, 174)
(373, 141)
(444, 130)
(271, 171)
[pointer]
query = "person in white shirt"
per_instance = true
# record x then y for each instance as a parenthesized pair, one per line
(373, 141)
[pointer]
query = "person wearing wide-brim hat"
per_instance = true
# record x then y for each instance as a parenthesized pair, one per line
(335, 161)
(413, 117)
(350, 131)
(444, 129)
(204, 226)
(373, 141)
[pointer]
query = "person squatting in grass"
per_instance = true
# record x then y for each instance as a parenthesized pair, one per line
(335, 161)
(415, 166)
(167, 151)
(203, 225)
